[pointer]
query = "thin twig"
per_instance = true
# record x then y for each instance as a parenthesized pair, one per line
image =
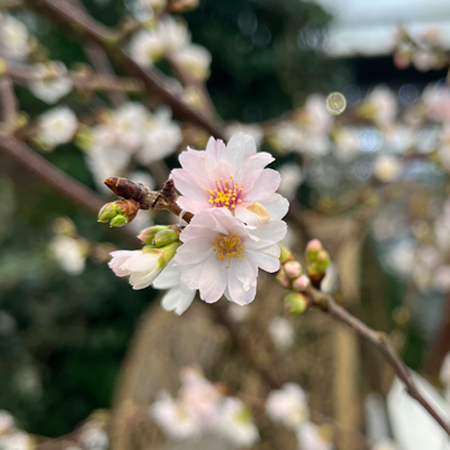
(154, 81)
(327, 304)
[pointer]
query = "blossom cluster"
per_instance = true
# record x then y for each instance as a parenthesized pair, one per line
(131, 131)
(170, 39)
(234, 231)
(200, 408)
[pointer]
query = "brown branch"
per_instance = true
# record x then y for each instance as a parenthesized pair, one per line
(154, 81)
(9, 102)
(327, 304)
(83, 81)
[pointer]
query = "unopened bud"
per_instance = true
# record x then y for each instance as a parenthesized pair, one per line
(118, 221)
(295, 303)
(313, 247)
(165, 237)
(147, 235)
(293, 269)
(285, 254)
(301, 283)
(282, 278)
(118, 213)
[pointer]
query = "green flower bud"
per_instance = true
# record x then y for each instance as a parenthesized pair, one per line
(147, 235)
(108, 212)
(285, 254)
(118, 221)
(118, 213)
(295, 303)
(165, 237)
(282, 278)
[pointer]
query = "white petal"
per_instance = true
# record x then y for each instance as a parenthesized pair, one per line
(265, 262)
(178, 299)
(239, 147)
(277, 206)
(213, 280)
(169, 277)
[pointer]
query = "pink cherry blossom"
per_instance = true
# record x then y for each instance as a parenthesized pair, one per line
(232, 177)
(221, 255)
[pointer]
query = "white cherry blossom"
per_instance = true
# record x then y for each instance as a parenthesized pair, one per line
(57, 126)
(220, 255)
(288, 405)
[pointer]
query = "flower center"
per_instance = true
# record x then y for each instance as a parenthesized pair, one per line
(228, 247)
(226, 194)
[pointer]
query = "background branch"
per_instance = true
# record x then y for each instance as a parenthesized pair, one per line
(67, 15)
(327, 304)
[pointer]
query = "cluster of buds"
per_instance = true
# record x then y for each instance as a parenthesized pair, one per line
(292, 276)
(118, 213)
(160, 235)
(317, 261)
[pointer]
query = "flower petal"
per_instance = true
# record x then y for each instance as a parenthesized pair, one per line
(264, 187)
(265, 262)
(236, 291)
(178, 299)
(213, 280)
(277, 206)
(240, 147)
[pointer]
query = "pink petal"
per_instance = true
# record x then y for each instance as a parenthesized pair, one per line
(252, 168)
(264, 187)
(194, 251)
(193, 206)
(215, 151)
(189, 185)
(194, 162)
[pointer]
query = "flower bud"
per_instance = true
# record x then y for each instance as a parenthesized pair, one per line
(295, 303)
(313, 247)
(147, 235)
(318, 260)
(283, 279)
(285, 254)
(165, 253)
(118, 213)
(165, 237)
(301, 283)
(293, 269)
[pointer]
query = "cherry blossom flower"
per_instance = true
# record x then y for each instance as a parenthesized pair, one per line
(53, 84)
(70, 253)
(288, 405)
(57, 126)
(142, 266)
(175, 418)
(282, 333)
(237, 424)
(221, 255)
(194, 60)
(14, 38)
(179, 297)
(311, 437)
(232, 177)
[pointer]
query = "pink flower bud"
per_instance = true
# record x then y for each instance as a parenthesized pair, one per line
(314, 246)
(301, 283)
(293, 269)
(282, 278)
